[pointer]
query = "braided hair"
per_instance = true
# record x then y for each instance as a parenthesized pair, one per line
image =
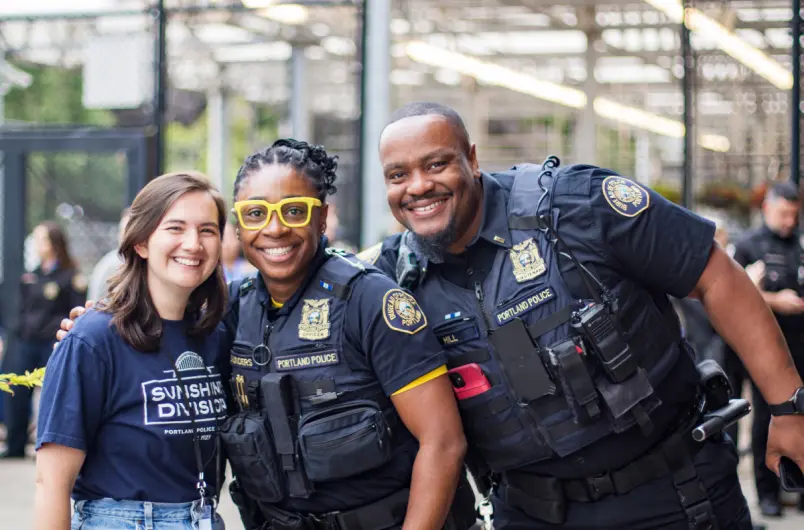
(312, 160)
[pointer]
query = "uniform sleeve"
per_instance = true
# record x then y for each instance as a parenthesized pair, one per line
(387, 324)
(73, 395)
(742, 252)
(660, 245)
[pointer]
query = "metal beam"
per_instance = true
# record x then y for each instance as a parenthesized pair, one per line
(159, 107)
(795, 100)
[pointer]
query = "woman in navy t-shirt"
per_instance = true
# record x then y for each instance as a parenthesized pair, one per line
(132, 396)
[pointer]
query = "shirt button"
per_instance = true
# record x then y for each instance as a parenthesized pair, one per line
(469, 271)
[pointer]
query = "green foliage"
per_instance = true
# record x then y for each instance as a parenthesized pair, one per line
(29, 379)
(54, 97)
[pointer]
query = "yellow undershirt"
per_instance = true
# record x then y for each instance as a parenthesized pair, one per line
(441, 370)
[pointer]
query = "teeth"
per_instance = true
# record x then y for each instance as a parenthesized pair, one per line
(188, 262)
(281, 251)
(429, 207)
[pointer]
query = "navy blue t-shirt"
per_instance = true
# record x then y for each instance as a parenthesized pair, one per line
(125, 410)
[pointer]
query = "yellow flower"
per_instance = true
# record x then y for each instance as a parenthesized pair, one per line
(29, 379)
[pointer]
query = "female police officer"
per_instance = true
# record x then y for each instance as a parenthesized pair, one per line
(335, 373)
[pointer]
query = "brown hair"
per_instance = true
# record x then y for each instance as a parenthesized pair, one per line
(58, 240)
(129, 300)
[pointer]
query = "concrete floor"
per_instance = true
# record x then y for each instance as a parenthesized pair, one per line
(17, 491)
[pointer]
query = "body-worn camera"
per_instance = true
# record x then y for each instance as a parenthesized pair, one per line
(595, 324)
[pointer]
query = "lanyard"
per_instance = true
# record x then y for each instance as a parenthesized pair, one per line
(201, 485)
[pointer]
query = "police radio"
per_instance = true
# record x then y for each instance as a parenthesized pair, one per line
(595, 324)
(408, 272)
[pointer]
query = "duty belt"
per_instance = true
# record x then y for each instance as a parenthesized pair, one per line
(385, 513)
(544, 498)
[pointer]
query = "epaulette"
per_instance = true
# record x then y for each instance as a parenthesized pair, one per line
(333, 251)
(371, 254)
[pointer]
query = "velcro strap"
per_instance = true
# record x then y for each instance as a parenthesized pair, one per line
(529, 222)
(307, 389)
(385, 513)
(540, 327)
(478, 355)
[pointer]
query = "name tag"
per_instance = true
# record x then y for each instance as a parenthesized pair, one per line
(241, 361)
(307, 360)
(526, 303)
(459, 333)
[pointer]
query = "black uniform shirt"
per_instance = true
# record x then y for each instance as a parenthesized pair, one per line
(657, 245)
(46, 296)
(784, 269)
(397, 357)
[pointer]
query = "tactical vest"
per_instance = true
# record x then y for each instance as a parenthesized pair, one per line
(307, 412)
(784, 265)
(522, 344)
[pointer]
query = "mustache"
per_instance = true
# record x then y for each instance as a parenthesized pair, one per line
(427, 196)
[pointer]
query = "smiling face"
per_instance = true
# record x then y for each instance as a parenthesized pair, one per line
(281, 254)
(185, 248)
(432, 179)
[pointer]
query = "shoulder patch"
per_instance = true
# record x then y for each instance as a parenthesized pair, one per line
(371, 254)
(402, 312)
(625, 197)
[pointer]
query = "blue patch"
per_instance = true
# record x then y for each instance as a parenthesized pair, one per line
(452, 316)
(524, 304)
(625, 197)
(307, 360)
(326, 285)
(457, 333)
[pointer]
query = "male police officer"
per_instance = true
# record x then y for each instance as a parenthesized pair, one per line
(776, 244)
(549, 294)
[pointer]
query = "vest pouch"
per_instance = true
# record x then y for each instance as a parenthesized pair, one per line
(252, 455)
(501, 431)
(344, 440)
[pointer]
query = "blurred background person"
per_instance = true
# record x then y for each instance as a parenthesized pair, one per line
(235, 266)
(47, 294)
(776, 259)
(107, 266)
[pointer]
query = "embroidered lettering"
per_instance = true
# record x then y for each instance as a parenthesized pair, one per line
(523, 305)
(307, 360)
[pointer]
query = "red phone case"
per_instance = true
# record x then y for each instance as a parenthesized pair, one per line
(468, 381)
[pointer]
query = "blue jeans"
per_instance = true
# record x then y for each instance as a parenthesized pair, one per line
(108, 514)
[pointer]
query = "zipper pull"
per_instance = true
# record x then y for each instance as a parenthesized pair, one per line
(379, 434)
(479, 292)
(266, 335)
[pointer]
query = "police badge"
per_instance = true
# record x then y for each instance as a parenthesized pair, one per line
(528, 264)
(51, 290)
(402, 312)
(624, 196)
(314, 323)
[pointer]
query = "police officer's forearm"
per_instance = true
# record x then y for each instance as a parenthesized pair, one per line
(740, 315)
(435, 478)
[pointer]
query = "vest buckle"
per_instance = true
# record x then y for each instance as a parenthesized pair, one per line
(600, 486)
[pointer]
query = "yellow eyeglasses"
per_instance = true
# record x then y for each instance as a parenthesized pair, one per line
(293, 212)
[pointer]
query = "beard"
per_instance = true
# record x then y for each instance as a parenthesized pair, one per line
(434, 246)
